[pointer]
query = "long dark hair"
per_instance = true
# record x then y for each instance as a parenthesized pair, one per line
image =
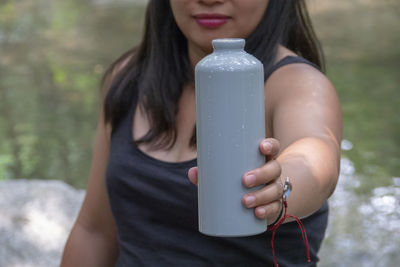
(156, 70)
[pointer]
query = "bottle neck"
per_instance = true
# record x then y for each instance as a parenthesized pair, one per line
(228, 44)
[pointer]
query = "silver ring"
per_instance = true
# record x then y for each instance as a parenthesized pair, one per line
(287, 189)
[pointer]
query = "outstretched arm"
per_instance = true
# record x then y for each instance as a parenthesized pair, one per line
(303, 116)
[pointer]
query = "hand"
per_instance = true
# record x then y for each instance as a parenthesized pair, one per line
(266, 201)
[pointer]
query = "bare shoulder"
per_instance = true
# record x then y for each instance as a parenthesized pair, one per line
(108, 78)
(301, 97)
(296, 79)
(299, 81)
(115, 68)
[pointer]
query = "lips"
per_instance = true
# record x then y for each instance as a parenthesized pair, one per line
(211, 20)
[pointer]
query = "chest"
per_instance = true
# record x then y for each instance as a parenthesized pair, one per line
(185, 123)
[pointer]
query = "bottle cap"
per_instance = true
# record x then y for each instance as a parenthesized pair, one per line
(228, 43)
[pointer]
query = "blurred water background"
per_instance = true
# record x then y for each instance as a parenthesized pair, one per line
(53, 53)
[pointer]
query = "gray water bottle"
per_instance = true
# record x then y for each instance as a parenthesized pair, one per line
(230, 123)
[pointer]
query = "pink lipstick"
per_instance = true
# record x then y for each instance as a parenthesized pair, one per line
(211, 20)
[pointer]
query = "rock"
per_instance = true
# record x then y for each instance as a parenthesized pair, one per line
(364, 230)
(36, 217)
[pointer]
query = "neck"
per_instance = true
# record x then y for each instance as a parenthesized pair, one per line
(195, 54)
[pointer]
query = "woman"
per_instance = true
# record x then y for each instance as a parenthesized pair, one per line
(139, 209)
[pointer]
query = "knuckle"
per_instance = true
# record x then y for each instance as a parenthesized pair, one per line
(280, 190)
(276, 167)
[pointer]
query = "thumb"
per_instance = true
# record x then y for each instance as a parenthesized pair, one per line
(193, 175)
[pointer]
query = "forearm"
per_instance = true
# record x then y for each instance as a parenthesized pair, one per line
(88, 248)
(312, 164)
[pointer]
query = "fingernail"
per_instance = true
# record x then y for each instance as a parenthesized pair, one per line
(267, 146)
(261, 212)
(249, 200)
(250, 180)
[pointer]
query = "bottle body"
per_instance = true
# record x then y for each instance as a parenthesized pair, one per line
(230, 124)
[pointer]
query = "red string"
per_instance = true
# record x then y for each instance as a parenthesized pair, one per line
(302, 229)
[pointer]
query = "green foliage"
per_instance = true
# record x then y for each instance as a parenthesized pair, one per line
(52, 57)
(361, 41)
(53, 53)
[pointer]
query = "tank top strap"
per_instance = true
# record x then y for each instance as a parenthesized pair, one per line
(130, 117)
(289, 60)
(126, 123)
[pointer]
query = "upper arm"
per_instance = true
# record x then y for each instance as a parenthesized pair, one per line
(301, 102)
(303, 113)
(95, 214)
(93, 239)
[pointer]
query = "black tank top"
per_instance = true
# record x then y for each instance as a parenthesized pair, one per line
(155, 209)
